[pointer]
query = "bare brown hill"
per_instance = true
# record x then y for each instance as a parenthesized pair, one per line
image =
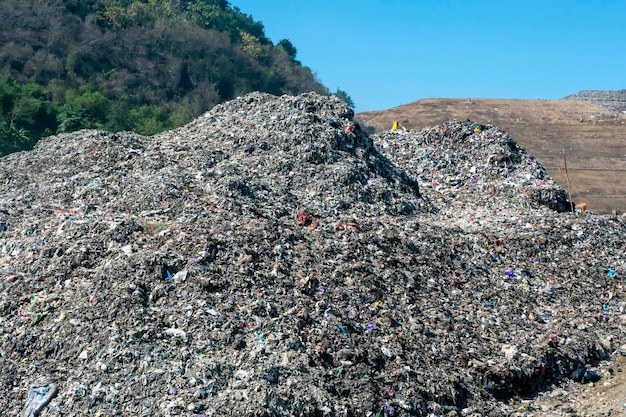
(594, 138)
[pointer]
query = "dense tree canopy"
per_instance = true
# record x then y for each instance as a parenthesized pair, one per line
(142, 65)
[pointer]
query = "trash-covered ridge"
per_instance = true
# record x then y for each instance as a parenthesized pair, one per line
(271, 259)
(613, 100)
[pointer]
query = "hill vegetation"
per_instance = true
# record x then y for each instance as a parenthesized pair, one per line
(140, 65)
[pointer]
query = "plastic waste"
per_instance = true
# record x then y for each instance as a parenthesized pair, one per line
(41, 392)
(584, 375)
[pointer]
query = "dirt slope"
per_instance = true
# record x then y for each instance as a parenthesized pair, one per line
(594, 138)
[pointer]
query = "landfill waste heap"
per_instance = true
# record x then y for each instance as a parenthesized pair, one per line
(612, 100)
(271, 259)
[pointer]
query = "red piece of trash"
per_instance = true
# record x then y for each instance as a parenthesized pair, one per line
(345, 225)
(308, 220)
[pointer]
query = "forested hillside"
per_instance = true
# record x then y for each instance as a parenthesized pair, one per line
(141, 65)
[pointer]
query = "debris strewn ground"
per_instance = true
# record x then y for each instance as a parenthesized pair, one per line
(272, 259)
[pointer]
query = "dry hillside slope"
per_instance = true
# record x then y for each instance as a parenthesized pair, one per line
(594, 138)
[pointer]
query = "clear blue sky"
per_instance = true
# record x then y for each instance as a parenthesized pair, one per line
(385, 53)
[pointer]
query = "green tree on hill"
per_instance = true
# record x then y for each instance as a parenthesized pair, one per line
(345, 97)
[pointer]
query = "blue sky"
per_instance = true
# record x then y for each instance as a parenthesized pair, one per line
(385, 53)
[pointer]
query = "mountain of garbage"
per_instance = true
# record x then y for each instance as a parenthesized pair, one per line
(612, 100)
(272, 259)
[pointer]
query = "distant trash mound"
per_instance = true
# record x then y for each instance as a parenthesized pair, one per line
(613, 100)
(474, 163)
(271, 259)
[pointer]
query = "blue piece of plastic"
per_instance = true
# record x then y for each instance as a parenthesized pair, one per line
(41, 392)
(342, 328)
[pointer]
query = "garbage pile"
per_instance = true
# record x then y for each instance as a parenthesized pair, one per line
(613, 100)
(465, 161)
(271, 259)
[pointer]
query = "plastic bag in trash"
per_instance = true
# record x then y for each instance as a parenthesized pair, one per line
(41, 392)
